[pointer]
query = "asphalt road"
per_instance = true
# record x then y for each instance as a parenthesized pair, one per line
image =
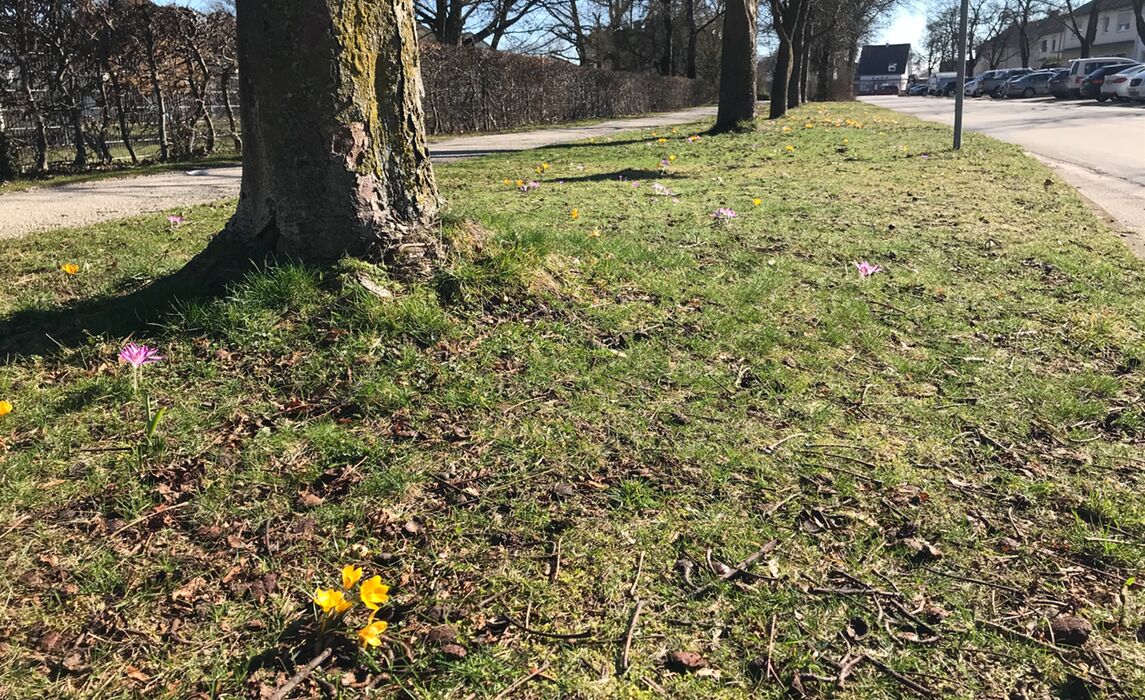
(102, 200)
(1098, 148)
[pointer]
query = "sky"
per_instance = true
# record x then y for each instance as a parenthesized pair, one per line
(906, 26)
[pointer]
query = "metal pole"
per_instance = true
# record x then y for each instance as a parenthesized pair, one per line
(960, 86)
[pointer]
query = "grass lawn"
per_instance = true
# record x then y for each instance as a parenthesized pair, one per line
(585, 417)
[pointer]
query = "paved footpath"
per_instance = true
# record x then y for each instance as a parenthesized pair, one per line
(101, 200)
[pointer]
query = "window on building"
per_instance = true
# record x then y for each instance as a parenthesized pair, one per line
(1105, 25)
(1043, 45)
(893, 68)
(1123, 22)
(1055, 45)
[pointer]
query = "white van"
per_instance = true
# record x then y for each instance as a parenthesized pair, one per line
(1081, 67)
(934, 82)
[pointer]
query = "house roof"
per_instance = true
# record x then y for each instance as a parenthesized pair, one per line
(876, 59)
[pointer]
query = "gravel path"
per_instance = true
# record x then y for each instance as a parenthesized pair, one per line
(102, 200)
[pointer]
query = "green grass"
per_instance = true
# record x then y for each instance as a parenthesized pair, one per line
(670, 393)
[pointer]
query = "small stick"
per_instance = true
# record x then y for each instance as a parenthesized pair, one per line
(775, 507)
(624, 662)
(636, 579)
(148, 516)
(916, 687)
(522, 680)
(551, 635)
(1055, 650)
(303, 674)
(775, 445)
(967, 579)
(770, 648)
(857, 475)
(556, 565)
(742, 567)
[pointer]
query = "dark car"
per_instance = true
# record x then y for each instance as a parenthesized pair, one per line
(917, 90)
(1091, 86)
(1028, 85)
(947, 87)
(887, 89)
(1059, 84)
(991, 82)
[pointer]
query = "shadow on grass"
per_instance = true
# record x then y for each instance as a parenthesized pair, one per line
(626, 175)
(208, 274)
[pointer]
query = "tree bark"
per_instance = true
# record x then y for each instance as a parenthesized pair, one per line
(121, 115)
(781, 79)
(334, 155)
(1091, 29)
(1139, 18)
(797, 55)
(693, 36)
(737, 66)
(667, 57)
(156, 86)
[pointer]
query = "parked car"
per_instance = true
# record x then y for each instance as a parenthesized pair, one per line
(991, 82)
(1116, 85)
(947, 87)
(972, 86)
(887, 89)
(1059, 84)
(937, 80)
(1028, 85)
(1092, 84)
(918, 89)
(1079, 68)
(1136, 89)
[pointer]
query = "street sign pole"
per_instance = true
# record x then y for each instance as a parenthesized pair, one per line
(960, 85)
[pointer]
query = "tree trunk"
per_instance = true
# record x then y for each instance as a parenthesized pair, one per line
(693, 36)
(1139, 18)
(805, 64)
(124, 131)
(228, 108)
(1090, 29)
(334, 155)
(666, 56)
(797, 39)
(157, 89)
(781, 79)
(737, 66)
(37, 114)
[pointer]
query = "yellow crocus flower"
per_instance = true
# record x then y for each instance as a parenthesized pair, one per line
(575, 214)
(332, 602)
(5, 408)
(69, 268)
(350, 575)
(374, 593)
(371, 634)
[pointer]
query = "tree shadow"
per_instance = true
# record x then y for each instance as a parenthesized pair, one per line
(628, 174)
(594, 144)
(207, 275)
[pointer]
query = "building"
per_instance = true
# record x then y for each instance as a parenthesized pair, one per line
(880, 65)
(1052, 40)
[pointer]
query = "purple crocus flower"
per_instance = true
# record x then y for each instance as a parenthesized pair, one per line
(139, 355)
(175, 220)
(723, 214)
(866, 269)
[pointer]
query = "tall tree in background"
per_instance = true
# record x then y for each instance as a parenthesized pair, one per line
(785, 15)
(1087, 34)
(737, 66)
(334, 154)
(1139, 18)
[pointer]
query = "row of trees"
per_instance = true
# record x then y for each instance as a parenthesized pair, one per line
(997, 28)
(89, 65)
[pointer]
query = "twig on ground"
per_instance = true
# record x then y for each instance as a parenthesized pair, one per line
(775, 445)
(857, 475)
(1053, 649)
(148, 516)
(741, 568)
(522, 681)
(552, 635)
(302, 674)
(555, 567)
(624, 663)
(913, 685)
(770, 649)
(636, 578)
(968, 579)
(776, 506)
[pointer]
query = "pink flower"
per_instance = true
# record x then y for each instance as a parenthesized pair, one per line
(138, 355)
(866, 269)
(175, 220)
(531, 185)
(635, 184)
(723, 214)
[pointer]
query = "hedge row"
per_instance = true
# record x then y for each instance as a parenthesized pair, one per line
(473, 89)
